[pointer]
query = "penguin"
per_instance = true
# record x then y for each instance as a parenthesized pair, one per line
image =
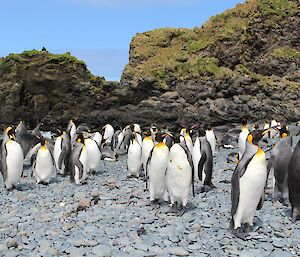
(147, 146)
(25, 139)
(12, 158)
(127, 136)
(71, 129)
(62, 150)
(93, 155)
(247, 185)
(78, 161)
(157, 164)
(107, 134)
(97, 138)
(242, 138)
(137, 128)
(230, 139)
(273, 132)
(279, 160)
(134, 156)
(294, 182)
(211, 138)
(115, 138)
(203, 161)
(107, 154)
(43, 164)
(179, 176)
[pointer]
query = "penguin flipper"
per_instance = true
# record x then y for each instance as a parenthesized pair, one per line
(80, 168)
(235, 192)
(3, 163)
(201, 164)
(190, 160)
(62, 157)
(261, 201)
(271, 163)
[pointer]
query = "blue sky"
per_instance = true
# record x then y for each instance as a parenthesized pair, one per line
(96, 31)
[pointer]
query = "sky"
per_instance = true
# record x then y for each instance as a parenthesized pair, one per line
(96, 31)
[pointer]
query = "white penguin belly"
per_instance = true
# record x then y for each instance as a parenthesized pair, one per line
(94, 155)
(134, 159)
(157, 174)
(98, 138)
(14, 163)
(196, 155)
(57, 152)
(84, 160)
(147, 146)
(43, 166)
(210, 136)
(242, 143)
(179, 175)
(252, 185)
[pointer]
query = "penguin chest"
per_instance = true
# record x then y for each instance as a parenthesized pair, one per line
(14, 162)
(57, 150)
(158, 166)
(212, 140)
(146, 149)
(196, 155)
(93, 154)
(44, 165)
(242, 142)
(134, 158)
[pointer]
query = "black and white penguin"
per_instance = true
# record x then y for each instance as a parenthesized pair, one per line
(107, 134)
(180, 176)
(62, 150)
(78, 161)
(203, 161)
(279, 161)
(71, 129)
(134, 156)
(43, 164)
(243, 138)
(115, 138)
(294, 182)
(147, 146)
(97, 137)
(153, 131)
(12, 158)
(185, 136)
(157, 164)
(247, 185)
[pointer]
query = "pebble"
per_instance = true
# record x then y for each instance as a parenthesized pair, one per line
(76, 252)
(178, 251)
(279, 243)
(102, 250)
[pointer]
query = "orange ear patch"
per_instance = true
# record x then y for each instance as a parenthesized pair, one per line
(250, 138)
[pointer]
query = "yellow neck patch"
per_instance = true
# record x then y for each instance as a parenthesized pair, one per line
(250, 138)
(160, 145)
(43, 147)
(284, 135)
(260, 152)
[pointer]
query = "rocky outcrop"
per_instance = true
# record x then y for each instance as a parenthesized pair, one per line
(243, 62)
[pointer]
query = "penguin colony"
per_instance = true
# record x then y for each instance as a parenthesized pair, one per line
(168, 164)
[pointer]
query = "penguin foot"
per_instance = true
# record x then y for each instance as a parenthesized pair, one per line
(172, 209)
(240, 234)
(181, 212)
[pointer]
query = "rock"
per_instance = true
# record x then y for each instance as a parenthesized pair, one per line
(84, 203)
(102, 250)
(76, 252)
(3, 248)
(11, 243)
(178, 251)
(279, 243)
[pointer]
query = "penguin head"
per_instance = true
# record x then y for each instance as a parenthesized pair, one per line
(255, 135)
(153, 128)
(256, 126)
(201, 133)
(244, 122)
(43, 141)
(283, 130)
(159, 137)
(11, 133)
(80, 138)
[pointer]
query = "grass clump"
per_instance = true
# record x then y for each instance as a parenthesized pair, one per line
(285, 52)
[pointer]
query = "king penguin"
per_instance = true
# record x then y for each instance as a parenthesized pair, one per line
(279, 161)
(203, 161)
(157, 164)
(294, 182)
(71, 129)
(12, 158)
(243, 138)
(134, 156)
(94, 155)
(62, 150)
(180, 176)
(43, 164)
(107, 134)
(78, 162)
(247, 185)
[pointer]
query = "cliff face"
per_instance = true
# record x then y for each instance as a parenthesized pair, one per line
(39, 86)
(245, 61)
